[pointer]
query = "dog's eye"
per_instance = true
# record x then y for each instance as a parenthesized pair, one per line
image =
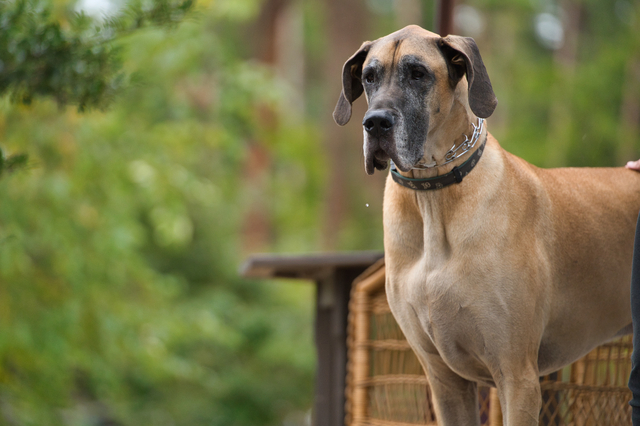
(369, 78)
(417, 75)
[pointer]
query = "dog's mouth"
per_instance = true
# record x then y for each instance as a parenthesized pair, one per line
(378, 150)
(378, 160)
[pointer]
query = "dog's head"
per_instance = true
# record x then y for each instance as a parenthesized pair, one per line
(414, 82)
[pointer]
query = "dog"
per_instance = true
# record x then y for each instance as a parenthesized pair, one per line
(498, 272)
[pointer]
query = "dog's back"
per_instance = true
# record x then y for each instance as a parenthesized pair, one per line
(588, 232)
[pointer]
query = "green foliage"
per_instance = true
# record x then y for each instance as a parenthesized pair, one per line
(12, 163)
(78, 65)
(119, 297)
(75, 62)
(39, 59)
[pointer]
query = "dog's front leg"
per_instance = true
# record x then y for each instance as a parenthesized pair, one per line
(455, 399)
(520, 396)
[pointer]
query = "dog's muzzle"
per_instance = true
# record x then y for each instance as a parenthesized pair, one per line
(379, 126)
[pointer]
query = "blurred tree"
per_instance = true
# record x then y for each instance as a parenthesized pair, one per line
(74, 61)
(78, 65)
(119, 300)
(565, 78)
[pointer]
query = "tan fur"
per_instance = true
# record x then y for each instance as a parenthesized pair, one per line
(509, 275)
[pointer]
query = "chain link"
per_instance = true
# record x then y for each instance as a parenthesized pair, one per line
(465, 146)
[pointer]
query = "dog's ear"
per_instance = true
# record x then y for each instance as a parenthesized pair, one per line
(351, 84)
(463, 57)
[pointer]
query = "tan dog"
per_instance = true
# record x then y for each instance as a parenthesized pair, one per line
(509, 274)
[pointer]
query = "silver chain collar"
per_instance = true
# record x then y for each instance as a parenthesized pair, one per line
(457, 152)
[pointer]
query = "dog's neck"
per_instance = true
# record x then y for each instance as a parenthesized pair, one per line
(456, 206)
(455, 138)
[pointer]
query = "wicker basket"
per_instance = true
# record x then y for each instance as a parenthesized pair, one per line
(386, 385)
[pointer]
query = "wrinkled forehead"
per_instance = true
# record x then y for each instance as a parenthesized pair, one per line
(417, 44)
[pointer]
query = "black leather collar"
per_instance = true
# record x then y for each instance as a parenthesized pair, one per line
(438, 182)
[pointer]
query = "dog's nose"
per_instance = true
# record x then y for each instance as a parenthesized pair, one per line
(377, 122)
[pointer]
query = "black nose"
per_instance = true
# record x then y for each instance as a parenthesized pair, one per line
(378, 121)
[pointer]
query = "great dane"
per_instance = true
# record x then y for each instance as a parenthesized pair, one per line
(498, 272)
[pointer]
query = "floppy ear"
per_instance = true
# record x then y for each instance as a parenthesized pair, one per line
(351, 84)
(463, 57)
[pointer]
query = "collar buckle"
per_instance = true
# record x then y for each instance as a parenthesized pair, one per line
(456, 174)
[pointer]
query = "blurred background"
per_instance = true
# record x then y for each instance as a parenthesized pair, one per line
(149, 147)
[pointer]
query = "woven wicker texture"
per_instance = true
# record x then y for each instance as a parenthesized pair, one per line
(386, 385)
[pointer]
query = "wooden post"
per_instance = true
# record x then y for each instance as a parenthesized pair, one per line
(360, 359)
(495, 411)
(331, 341)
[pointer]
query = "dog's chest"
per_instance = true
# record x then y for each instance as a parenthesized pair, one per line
(438, 316)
